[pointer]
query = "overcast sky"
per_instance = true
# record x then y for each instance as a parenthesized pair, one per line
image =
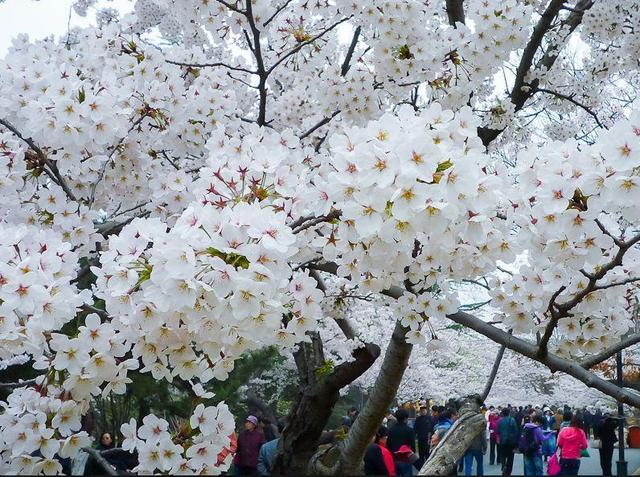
(42, 18)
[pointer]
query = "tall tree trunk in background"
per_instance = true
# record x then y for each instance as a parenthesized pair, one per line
(346, 458)
(494, 372)
(444, 458)
(316, 399)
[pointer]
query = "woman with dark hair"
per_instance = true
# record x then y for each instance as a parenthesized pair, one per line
(378, 460)
(571, 441)
(566, 419)
(106, 442)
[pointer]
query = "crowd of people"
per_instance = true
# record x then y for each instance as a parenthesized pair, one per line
(408, 434)
(560, 437)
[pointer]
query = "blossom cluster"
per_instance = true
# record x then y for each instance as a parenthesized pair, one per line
(576, 211)
(200, 441)
(105, 129)
(193, 298)
(418, 201)
(36, 293)
(33, 421)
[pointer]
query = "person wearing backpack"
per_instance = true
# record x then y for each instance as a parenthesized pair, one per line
(508, 433)
(531, 445)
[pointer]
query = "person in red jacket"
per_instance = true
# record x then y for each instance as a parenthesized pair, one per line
(249, 443)
(377, 459)
(230, 449)
(571, 441)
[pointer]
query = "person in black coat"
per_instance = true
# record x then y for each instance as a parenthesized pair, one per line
(596, 420)
(588, 422)
(374, 458)
(607, 434)
(423, 429)
(401, 434)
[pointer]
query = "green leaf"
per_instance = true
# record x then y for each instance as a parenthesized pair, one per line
(325, 369)
(443, 166)
(402, 52)
(234, 259)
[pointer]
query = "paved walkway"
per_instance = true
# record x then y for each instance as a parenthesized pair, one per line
(588, 465)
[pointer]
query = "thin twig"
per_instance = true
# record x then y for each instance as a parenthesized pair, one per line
(319, 125)
(97, 311)
(19, 384)
(572, 100)
(210, 65)
(278, 10)
(334, 214)
(52, 172)
(297, 48)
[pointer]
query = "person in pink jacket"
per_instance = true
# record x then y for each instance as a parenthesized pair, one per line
(571, 441)
(493, 418)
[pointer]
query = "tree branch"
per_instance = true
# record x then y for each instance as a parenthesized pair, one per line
(395, 362)
(444, 458)
(231, 7)
(346, 64)
(97, 456)
(19, 384)
(604, 355)
(455, 12)
(280, 8)
(553, 322)
(494, 372)
(210, 65)
(626, 281)
(520, 95)
(52, 172)
(604, 230)
(319, 125)
(334, 214)
(297, 48)
(97, 311)
(261, 71)
(562, 310)
(571, 100)
(553, 362)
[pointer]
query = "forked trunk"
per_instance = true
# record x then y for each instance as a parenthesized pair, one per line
(317, 397)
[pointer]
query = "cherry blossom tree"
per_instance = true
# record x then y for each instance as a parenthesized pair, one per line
(179, 182)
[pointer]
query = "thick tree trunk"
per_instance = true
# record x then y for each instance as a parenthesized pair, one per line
(370, 418)
(315, 402)
(306, 421)
(444, 458)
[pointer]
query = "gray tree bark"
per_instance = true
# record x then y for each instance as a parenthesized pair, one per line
(317, 397)
(370, 418)
(444, 458)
